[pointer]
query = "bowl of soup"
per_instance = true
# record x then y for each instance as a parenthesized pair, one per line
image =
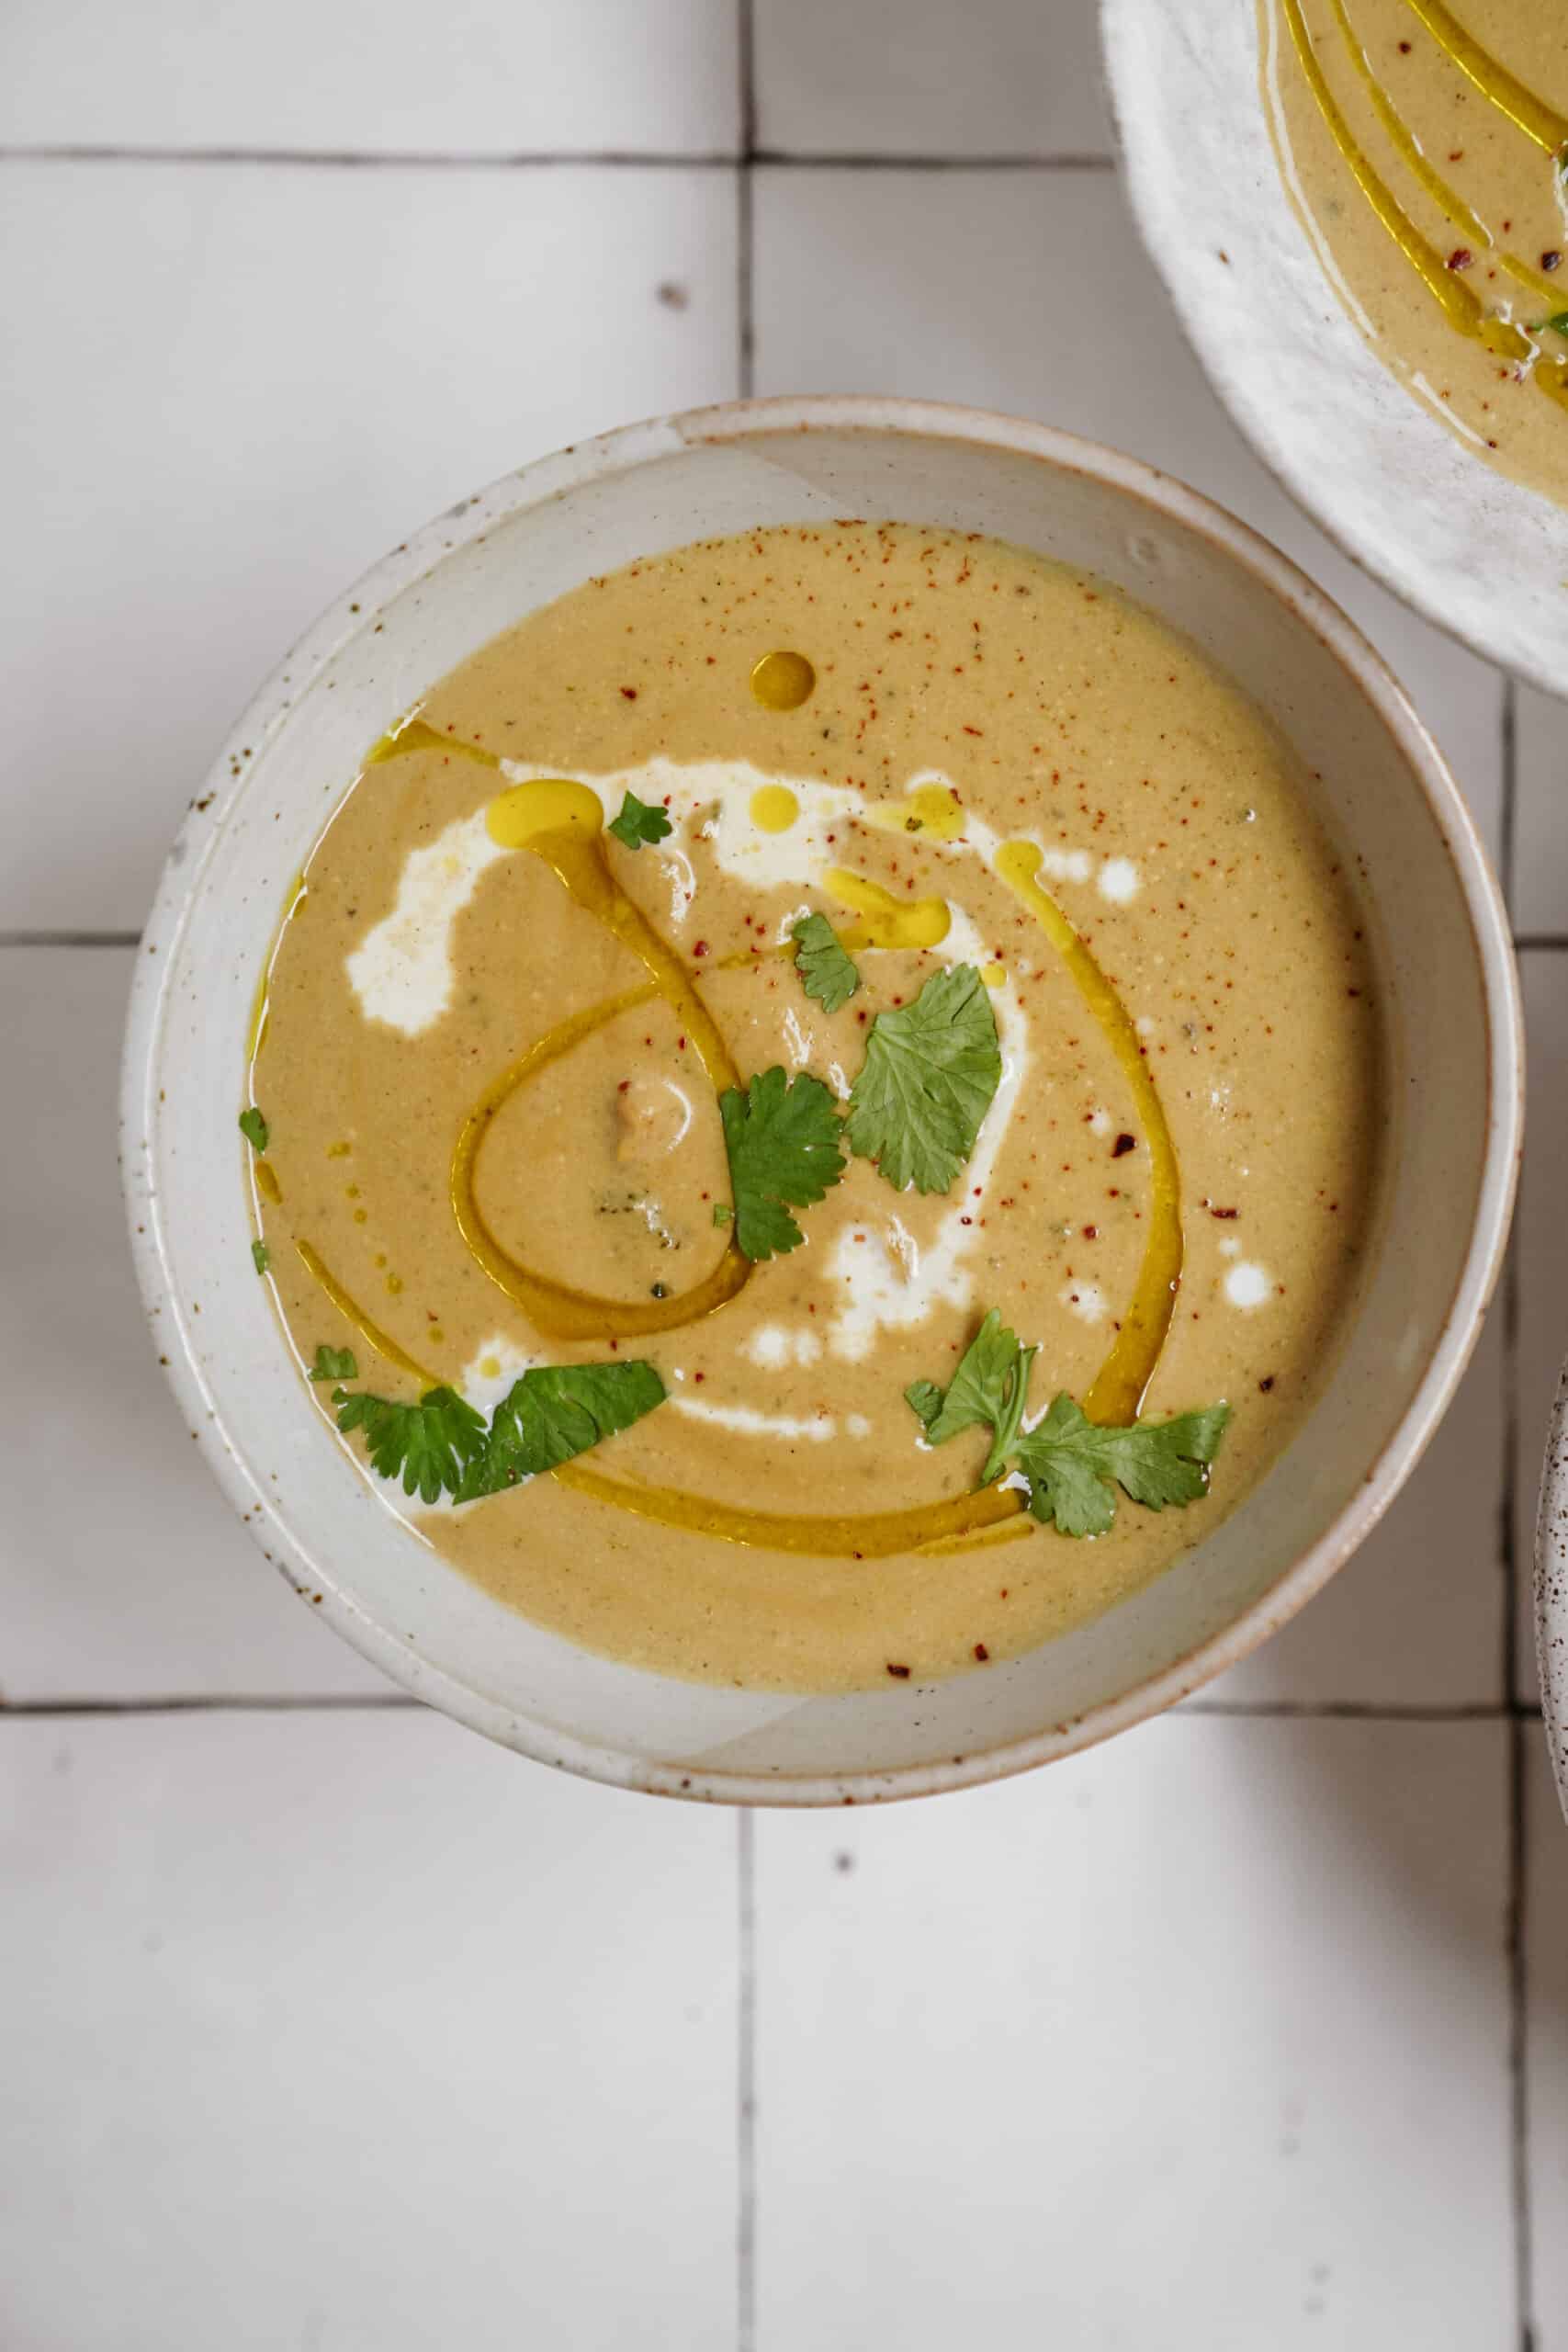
(1359, 209)
(821, 1102)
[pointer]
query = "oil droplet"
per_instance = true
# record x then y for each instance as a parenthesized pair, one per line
(773, 808)
(435, 1334)
(380, 1257)
(339, 1150)
(933, 808)
(351, 1191)
(489, 1367)
(267, 1185)
(544, 805)
(783, 681)
(394, 1283)
(994, 975)
(362, 1217)
(886, 922)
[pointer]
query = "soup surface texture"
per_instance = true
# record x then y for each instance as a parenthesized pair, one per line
(1426, 158)
(1111, 1007)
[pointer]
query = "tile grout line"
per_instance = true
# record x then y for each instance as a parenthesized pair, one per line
(745, 200)
(70, 939)
(554, 159)
(1522, 1711)
(745, 2121)
(1518, 2036)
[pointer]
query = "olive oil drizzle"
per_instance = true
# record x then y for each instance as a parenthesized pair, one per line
(1492, 78)
(569, 842)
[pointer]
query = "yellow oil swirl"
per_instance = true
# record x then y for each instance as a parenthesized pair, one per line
(933, 808)
(559, 821)
(1123, 1379)
(1463, 308)
(783, 681)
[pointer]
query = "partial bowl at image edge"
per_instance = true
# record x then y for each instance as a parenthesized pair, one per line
(165, 1127)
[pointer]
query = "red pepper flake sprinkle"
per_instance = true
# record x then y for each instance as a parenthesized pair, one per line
(899, 1673)
(1224, 1212)
(1552, 260)
(1461, 257)
(1123, 1143)
(981, 1652)
(1266, 1385)
(701, 947)
(630, 692)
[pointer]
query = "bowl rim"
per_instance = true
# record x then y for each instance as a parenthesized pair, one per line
(546, 479)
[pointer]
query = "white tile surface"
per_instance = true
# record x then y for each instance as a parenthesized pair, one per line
(1416, 1617)
(921, 77)
(475, 77)
(1540, 1243)
(1546, 2045)
(230, 387)
(123, 1572)
(354, 2034)
(1029, 292)
(1540, 863)
(1198, 2040)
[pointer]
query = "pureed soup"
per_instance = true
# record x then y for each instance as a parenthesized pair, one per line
(1426, 156)
(841, 1068)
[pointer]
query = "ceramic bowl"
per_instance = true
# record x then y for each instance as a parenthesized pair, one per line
(1552, 1589)
(1446, 974)
(1477, 553)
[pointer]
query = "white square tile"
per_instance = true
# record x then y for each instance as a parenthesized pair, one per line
(230, 387)
(922, 77)
(1029, 291)
(1417, 1618)
(1546, 2044)
(1540, 824)
(476, 77)
(1541, 1244)
(123, 1572)
(1198, 2040)
(352, 2033)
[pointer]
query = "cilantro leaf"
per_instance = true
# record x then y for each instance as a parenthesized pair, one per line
(553, 1412)
(1557, 324)
(783, 1136)
(255, 1129)
(930, 1071)
(826, 972)
(334, 1363)
(261, 1256)
(722, 1212)
(430, 1443)
(990, 1386)
(637, 823)
(1073, 1467)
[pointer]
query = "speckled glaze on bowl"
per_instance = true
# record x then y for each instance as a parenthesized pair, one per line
(1551, 1589)
(1477, 553)
(1446, 974)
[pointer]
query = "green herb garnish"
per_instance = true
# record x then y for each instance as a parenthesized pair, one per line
(930, 1071)
(637, 823)
(334, 1363)
(1557, 325)
(261, 1256)
(826, 972)
(555, 1412)
(1070, 1465)
(255, 1129)
(722, 1212)
(430, 1444)
(443, 1446)
(784, 1141)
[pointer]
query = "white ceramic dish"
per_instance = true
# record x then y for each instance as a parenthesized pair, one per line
(1475, 552)
(1447, 976)
(1552, 1589)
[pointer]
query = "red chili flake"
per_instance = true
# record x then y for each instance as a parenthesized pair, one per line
(973, 730)
(1266, 1385)
(1091, 1233)
(701, 948)
(981, 1652)
(899, 1673)
(630, 692)
(622, 1086)
(1123, 1143)
(1552, 260)
(1461, 257)
(1404, 48)
(698, 1376)
(1224, 1212)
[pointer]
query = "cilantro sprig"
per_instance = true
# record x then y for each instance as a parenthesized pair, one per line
(1070, 1465)
(442, 1445)
(334, 1363)
(255, 1129)
(930, 1071)
(637, 823)
(827, 974)
(783, 1138)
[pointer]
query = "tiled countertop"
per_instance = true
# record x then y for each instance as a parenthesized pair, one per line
(322, 2025)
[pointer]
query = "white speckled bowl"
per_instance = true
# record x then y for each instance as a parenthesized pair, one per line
(1477, 553)
(1552, 1589)
(1447, 976)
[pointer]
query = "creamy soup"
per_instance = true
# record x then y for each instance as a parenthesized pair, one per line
(759, 975)
(1426, 157)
